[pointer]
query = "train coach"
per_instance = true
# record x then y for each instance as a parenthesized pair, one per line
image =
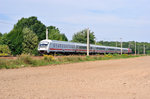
(54, 46)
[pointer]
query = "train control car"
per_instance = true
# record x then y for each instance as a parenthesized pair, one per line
(54, 46)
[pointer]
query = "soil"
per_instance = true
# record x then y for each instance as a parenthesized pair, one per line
(108, 79)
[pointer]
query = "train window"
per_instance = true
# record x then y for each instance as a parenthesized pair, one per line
(63, 46)
(80, 47)
(53, 45)
(83, 47)
(98, 48)
(59, 45)
(111, 49)
(42, 45)
(56, 45)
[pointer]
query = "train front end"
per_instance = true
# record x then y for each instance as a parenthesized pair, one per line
(43, 46)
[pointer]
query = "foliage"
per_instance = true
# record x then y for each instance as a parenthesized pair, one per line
(3, 39)
(54, 34)
(25, 60)
(3, 63)
(4, 50)
(66, 59)
(4, 54)
(1, 34)
(14, 39)
(15, 36)
(30, 41)
(109, 55)
(33, 24)
(49, 58)
(81, 37)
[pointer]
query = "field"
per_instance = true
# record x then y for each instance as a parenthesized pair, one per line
(105, 79)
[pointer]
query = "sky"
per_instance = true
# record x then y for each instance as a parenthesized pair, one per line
(109, 19)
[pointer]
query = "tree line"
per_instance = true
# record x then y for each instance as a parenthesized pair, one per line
(28, 32)
(129, 44)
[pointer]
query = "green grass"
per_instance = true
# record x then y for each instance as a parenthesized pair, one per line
(27, 61)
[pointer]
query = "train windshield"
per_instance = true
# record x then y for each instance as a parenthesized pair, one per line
(43, 45)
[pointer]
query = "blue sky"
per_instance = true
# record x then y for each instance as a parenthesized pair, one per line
(108, 19)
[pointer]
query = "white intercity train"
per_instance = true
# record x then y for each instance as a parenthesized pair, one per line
(54, 46)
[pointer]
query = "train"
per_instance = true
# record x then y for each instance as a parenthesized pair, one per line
(53, 46)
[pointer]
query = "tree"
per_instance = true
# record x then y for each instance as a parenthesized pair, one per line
(81, 37)
(54, 34)
(63, 37)
(15, 36)
(34, 24)
(1, 34)
(4, 40)
(30, 41)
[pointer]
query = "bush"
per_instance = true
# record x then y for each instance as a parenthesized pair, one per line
(3, 63)
(49, 58)
(4, 54)
(108, 55)
(25, 58)
(4, 50)
(69, 59)
(96, 57)
(125, 55)
(7, 64)
(115, 54)
(88, 58)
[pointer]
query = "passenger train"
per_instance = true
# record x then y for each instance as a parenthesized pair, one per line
(54, 46)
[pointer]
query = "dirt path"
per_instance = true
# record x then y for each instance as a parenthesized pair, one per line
(110, 79)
